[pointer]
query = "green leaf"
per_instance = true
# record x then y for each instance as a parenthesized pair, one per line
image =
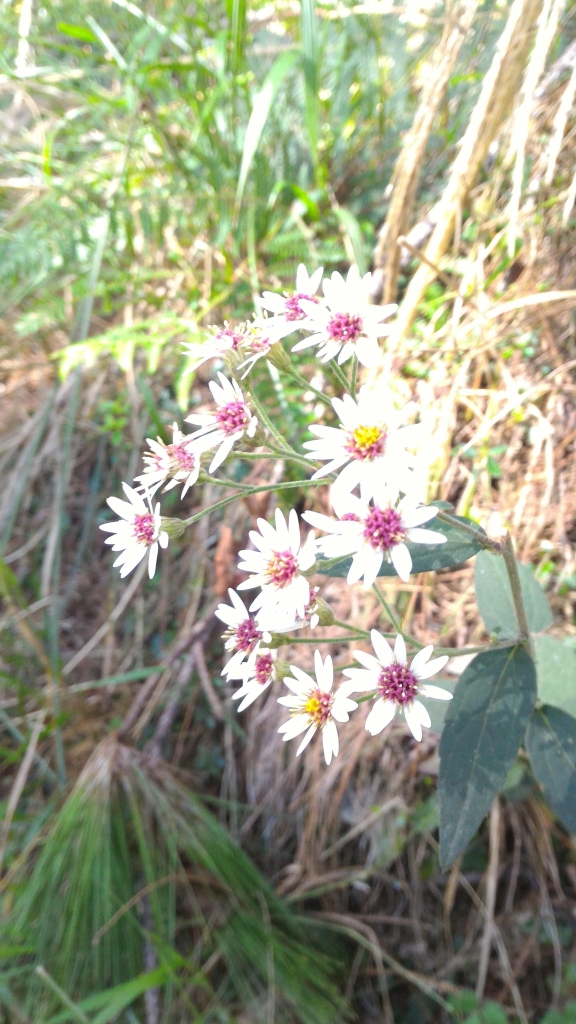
(76, 32)
(237, 32)
(427, 558)
(263, 101)
(310, 45)
(551, 744)
(556, 668)
(352, 228)
(494, 597)
(484, 727)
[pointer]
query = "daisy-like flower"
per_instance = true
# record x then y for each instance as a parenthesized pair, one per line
(224, 339)
(345, 323)
(277, 565)
(138, 532)
(243, 634)
(276, 622)
(256, 676)
(288, 313)
(397, 684)
(313, 706)
(258, 341)
(178, 462)
(370, 444)
(372, 533)
(232, 419)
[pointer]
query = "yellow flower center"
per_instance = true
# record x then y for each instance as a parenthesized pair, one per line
(365, 437)
(312, 706)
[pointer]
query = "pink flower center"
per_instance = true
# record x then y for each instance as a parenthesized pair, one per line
(232, 417)
(247, 636)
(397, 683)
(282, 568)
(344, 327)
(383, 528)
(263, 669)
(318, 705)
(182, 458)
(349, 517)
(144, 528)
(228, 338)
(293, 308)
(258, 342)
(366, 443)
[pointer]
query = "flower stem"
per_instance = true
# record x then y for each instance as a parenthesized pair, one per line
(300, 379)
(359, 632)
(244, 493)
(341, 376)
(265, 419)
(516, 588)
(486, 542)
(353, 374)
(391, 615)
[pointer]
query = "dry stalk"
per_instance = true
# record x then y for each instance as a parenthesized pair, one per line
(498, 89)
(407, 170)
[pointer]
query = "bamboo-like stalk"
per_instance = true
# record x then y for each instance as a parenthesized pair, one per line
(407, 170)
(496, 96)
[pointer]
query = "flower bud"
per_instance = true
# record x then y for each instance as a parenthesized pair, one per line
(274, 640)
(259, 439)
(173, 527)
(279, 357)
(281, 669)
(324, 612)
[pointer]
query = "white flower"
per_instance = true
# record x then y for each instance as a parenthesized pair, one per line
(313, 706)
(225, 339)
(137, 533)
(277, 565)
(345, 323)
(288, 313)
(372, 533)
(228, 424)
(371, 444)
(178, 462)
(258, 341)
(256, 675)
(397, 684)
(276, 622)
(243, 635)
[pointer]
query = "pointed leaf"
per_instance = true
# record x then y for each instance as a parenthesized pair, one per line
(494, 597)
(551, 743)
(427, 557)
(263, 101)
(556, 668)
(484, 727)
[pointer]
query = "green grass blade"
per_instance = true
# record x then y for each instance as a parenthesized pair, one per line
(310, 48)
(260, 111)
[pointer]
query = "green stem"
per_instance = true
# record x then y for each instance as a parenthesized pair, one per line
(286, 453)
(391, 615)
(353, 374)
(516, 588)
(265, 419)
(286, 485)
(300, 379)
(340, 375)
(320, 639)
(344, 625)
(481, 538)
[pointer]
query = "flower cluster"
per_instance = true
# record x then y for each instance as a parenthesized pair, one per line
(367, 453)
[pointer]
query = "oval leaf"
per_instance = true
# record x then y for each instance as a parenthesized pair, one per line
(551, 743)
(556, 669)
(484, 727)
(494, 597)
(427, 557)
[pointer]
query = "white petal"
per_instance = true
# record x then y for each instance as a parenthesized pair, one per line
(422, 714)
(420, 536)
(433, 667)
(306, 739)
(419, 660)
(382, 648)
(294, 726)
(380, 716)
(330, 741)
(436, 692)
(152, 559)
(400, 650)
(413, 722)
(401, 560)
(324, 672)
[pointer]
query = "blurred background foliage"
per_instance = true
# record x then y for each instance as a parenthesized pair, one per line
(162, 859)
